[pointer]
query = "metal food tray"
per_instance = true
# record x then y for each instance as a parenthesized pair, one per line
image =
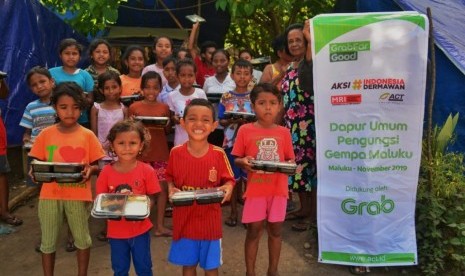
(56, 167)
(237, 115)
(270, 166)
(58, 177)
(195, 18)
(116, 206)
(161, 121)
(214, 97)
(183, 198)
(127, 100)
(208, 196)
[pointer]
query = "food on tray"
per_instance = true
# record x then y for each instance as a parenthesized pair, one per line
(115, 206)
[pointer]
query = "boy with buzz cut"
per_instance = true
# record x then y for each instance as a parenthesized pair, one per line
(197, 230)
(235, 101)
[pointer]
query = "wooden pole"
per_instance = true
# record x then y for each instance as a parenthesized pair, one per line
(23, 196)
(171, 14)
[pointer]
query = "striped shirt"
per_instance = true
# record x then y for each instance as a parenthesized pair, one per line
(186, 172)
(37, 116)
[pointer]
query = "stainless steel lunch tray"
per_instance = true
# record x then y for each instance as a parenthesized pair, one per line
(239, 115)
(270, 166)
(203, 196)
(214, 97)
(56, 167)
(128, 100)
(116, 206)
(58, 177)
(208, 196)
(183, 198)
(160, 121)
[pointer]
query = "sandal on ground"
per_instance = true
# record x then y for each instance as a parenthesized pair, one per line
(12, 220)
(70, 247)
(358, 270)
(102, 236)
(301, 226)
(231, 222)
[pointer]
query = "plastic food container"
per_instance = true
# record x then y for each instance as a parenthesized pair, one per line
(116, 206)
(270, 166)
(58, 177)
(159, 121)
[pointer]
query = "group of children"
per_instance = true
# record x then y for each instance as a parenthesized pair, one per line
(132, 158)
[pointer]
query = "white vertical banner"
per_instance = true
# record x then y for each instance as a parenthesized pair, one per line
(369, 81)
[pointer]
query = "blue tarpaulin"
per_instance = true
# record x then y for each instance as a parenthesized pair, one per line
(449, 36)
(29, 36)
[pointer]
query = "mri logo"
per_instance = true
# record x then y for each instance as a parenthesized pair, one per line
(347, 51)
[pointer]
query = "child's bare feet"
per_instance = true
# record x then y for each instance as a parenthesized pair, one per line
(163, 232)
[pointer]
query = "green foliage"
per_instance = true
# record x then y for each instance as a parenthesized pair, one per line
(254, 23)
(440, 209)
(90, 16)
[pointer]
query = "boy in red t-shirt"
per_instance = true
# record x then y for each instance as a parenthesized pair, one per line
(266, 193)
(194, 165)
(203, 61)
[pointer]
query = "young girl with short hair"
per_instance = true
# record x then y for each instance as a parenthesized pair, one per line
(129, 239)
(105, 114)
(133, 63)
(158, 153)
(67, 142)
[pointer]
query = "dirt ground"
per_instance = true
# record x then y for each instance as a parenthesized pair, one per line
(17, 255)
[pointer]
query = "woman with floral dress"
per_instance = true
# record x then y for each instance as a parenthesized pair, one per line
(299, 117)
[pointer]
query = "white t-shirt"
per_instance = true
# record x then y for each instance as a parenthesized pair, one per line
(212, 85)
(177, 102)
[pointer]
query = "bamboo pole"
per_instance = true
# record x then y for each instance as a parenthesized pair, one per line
(171, 14)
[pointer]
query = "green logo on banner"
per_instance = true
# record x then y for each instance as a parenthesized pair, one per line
(350, 206)
(347, 51)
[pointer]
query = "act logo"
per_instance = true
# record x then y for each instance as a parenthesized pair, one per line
(391, 97)
(347, 51)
